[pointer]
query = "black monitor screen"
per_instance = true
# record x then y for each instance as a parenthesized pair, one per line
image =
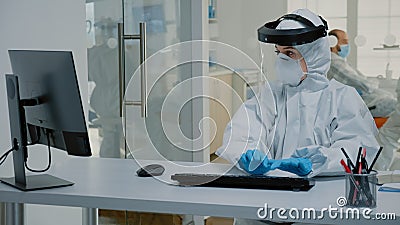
(48, 78)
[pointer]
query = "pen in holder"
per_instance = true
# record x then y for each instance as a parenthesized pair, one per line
(361, 189)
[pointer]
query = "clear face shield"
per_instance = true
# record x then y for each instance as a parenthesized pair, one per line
(267, 57)
(287, 31)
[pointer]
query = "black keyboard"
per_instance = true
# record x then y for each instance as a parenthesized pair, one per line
(244, 181)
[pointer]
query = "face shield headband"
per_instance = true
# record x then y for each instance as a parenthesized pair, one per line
(269, 34)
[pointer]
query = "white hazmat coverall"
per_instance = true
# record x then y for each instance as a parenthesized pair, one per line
(389, 138)
(383, 101)
(312, 120)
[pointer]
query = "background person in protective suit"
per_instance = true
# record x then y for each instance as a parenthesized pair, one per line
(389, 138)
(381, 102)
(385, 104)
(312, 117)
(103, 70)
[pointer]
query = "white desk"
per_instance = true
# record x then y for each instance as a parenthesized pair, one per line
(113, 184)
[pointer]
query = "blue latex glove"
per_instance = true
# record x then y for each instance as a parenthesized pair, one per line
(255, 162)
(299, 166)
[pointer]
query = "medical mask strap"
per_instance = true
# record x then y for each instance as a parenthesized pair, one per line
(301, 69)
(299, 63)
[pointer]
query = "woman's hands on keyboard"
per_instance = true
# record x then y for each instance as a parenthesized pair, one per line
(256, 162)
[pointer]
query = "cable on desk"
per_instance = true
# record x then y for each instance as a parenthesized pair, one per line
(49, 164)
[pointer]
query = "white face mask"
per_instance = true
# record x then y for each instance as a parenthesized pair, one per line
(288, 70)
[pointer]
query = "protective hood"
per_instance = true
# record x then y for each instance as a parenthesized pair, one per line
(317, 53)
(306, 33)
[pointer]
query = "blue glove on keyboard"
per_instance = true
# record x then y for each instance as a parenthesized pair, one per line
(255, 162)
(299, 166)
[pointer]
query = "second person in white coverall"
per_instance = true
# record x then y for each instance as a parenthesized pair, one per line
(312, 118)
(380, 102)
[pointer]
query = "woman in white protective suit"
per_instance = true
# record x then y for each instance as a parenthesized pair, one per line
(312, 118)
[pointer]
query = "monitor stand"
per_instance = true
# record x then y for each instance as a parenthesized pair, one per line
(19, 140)
(37, 182)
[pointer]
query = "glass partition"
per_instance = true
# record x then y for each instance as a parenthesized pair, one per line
(164, 26)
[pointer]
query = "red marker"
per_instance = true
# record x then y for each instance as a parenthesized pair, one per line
(346, 168)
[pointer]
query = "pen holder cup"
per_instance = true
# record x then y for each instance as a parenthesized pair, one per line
(361, 190)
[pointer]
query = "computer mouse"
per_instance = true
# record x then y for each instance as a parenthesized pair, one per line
(150, 170)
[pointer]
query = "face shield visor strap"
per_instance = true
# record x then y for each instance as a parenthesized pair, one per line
(269, 34)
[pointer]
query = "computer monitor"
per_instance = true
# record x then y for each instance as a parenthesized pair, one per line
(45, 107)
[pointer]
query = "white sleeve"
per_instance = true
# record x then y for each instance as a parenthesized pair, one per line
(352, 128)
(249, 128)
(239, 134)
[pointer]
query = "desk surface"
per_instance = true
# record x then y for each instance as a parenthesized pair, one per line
(113, 184)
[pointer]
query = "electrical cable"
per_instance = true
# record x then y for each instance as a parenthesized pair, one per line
(48, 165)
(5, 155)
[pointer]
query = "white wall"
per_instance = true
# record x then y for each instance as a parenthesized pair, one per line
(238, 21)
(50, 25)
